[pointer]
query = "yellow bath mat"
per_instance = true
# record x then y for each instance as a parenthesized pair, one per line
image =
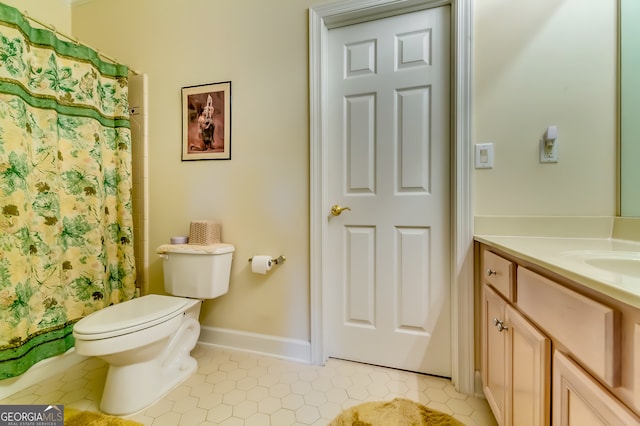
(73, 417)
(399, 412)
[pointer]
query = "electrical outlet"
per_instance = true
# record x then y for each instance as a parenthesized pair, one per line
(548, 152)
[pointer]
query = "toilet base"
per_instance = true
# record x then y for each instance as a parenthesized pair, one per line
(131, 388)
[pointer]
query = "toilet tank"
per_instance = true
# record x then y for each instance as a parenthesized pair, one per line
(195, 271)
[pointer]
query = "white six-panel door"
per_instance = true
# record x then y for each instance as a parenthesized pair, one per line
(389, 162)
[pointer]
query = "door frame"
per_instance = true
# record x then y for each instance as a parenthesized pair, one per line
(321, 19)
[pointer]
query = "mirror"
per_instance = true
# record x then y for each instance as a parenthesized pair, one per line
(629, 107)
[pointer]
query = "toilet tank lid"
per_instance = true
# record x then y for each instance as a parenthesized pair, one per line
(218, 248)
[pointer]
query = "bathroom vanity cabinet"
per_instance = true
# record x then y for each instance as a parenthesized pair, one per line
(553, 351)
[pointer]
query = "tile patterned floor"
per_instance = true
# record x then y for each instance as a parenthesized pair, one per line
(239, 388)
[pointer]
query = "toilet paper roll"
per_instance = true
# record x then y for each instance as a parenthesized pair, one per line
(261, 264)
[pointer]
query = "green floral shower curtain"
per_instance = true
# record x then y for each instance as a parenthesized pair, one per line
(66, 236)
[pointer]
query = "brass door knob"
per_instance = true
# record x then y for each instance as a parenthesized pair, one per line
(337, 209)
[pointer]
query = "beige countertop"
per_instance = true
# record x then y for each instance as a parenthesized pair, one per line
(618, 275)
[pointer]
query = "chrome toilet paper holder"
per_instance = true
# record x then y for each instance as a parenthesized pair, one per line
(276, 260)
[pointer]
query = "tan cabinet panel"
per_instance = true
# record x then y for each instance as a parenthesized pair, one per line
(529, 363)
(579, 400)
(588, 329)
(516, 364)
(499, 273)
(494, 363)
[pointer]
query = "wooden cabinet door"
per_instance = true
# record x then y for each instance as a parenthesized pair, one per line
(529, 362)
(579, 400)
(494, 363)
(516, 361)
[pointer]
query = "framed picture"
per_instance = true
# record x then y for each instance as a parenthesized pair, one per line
(206, 122)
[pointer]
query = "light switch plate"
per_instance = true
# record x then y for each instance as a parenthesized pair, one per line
(484, 155)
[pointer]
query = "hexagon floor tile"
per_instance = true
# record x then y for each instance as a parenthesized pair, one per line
(240, 388)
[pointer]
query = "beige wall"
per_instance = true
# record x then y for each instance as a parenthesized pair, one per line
(535, 63)
(538, 63)
(260, 196)
(51, 12)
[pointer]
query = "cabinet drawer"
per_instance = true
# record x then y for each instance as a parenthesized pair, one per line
(589, 330)
(499, 273)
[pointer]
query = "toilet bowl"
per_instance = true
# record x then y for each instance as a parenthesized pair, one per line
(147, 341)
(154, 336)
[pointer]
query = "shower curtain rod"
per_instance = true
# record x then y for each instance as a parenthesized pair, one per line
(75, 40)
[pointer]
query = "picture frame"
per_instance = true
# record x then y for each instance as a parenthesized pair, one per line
(206, 122)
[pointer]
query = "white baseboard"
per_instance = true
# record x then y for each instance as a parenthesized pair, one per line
(39, 372)
(291, 349)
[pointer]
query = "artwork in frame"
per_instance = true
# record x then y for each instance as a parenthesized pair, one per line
(206, 122)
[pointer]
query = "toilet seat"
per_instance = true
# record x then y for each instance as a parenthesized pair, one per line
(130, 316)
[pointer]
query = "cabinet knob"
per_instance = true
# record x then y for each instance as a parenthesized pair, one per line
(500, 325)
(491, 272)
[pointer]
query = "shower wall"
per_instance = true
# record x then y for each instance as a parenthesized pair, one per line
(139, 131)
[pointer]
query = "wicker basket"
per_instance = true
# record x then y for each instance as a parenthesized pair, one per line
(204, 232)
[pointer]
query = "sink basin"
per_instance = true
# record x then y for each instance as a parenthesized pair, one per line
(622, 266)
(617, 262)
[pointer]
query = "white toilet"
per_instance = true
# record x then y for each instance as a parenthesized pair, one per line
(147, 341)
